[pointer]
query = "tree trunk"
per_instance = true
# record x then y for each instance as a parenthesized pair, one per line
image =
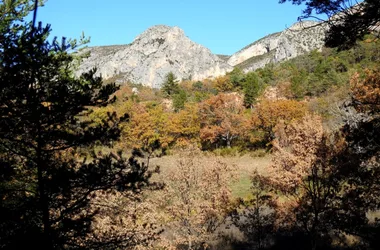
(44, 206)
(43, 199)
(228, 143)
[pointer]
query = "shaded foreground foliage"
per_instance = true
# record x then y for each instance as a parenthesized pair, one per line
(46, 193)
(322, 187)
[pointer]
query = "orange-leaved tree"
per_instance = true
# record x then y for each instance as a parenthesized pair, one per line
(269, 113)
(222, 119)
(294, 151)
(303, 175)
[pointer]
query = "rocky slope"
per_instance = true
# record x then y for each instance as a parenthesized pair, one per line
(153, 54)
(162, 49)
(299, 39)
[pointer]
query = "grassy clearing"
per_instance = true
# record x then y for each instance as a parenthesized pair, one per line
(242, 188)
(246, 165)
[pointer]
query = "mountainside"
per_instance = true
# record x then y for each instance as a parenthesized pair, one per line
(162, 49)
(299, 39)
(153, 54)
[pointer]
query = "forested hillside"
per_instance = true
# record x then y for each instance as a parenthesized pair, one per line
(241, 110)
(283, 157)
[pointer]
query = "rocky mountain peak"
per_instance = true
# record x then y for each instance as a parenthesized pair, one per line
(160, 32)
(162, 49)
(154, 53)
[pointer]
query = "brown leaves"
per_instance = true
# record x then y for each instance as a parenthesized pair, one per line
(198, 196)
(294, 149)
(125, 219)
(366, 92)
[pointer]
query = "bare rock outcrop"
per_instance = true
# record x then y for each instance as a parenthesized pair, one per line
(154, 53)
(299, 39)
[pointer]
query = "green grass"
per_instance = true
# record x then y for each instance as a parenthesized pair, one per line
(242, 187)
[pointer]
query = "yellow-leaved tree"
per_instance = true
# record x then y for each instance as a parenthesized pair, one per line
(184, 126)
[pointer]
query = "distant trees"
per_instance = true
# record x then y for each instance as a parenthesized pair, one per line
(46, 190)
(348, 20)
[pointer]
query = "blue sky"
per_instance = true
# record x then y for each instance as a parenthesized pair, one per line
(222, 26)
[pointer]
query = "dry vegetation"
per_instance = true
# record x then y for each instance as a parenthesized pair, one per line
(239, 175)
(286, 157)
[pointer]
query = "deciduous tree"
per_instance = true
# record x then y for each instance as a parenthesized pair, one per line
(222, 118)
(268, 113)
(198, 198)
(184, 126)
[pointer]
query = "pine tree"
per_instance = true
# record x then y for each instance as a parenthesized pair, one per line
(251, 88)
(45, 191)
(170, 85)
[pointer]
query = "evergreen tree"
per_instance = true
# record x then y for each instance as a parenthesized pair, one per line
(170, 85)
(236, 77)
(45, 191)
(179, 100)
(251, 88)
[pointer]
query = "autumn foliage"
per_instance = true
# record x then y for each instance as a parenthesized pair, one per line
(184, 126)
(269, 113)
(294, 150)
(198, 198)
(222, 119)
(366, 92)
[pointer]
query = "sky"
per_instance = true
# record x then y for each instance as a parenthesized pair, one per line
(223, 26)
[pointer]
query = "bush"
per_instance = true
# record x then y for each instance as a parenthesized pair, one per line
(233, 151)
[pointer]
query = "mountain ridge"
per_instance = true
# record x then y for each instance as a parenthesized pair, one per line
(162, 49)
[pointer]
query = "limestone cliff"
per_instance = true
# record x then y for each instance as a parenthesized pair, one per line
(161, 49)
(299, 39)
(153, 54)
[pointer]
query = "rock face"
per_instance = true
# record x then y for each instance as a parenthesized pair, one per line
(163, 49)
(296, 40)
(153, 54)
